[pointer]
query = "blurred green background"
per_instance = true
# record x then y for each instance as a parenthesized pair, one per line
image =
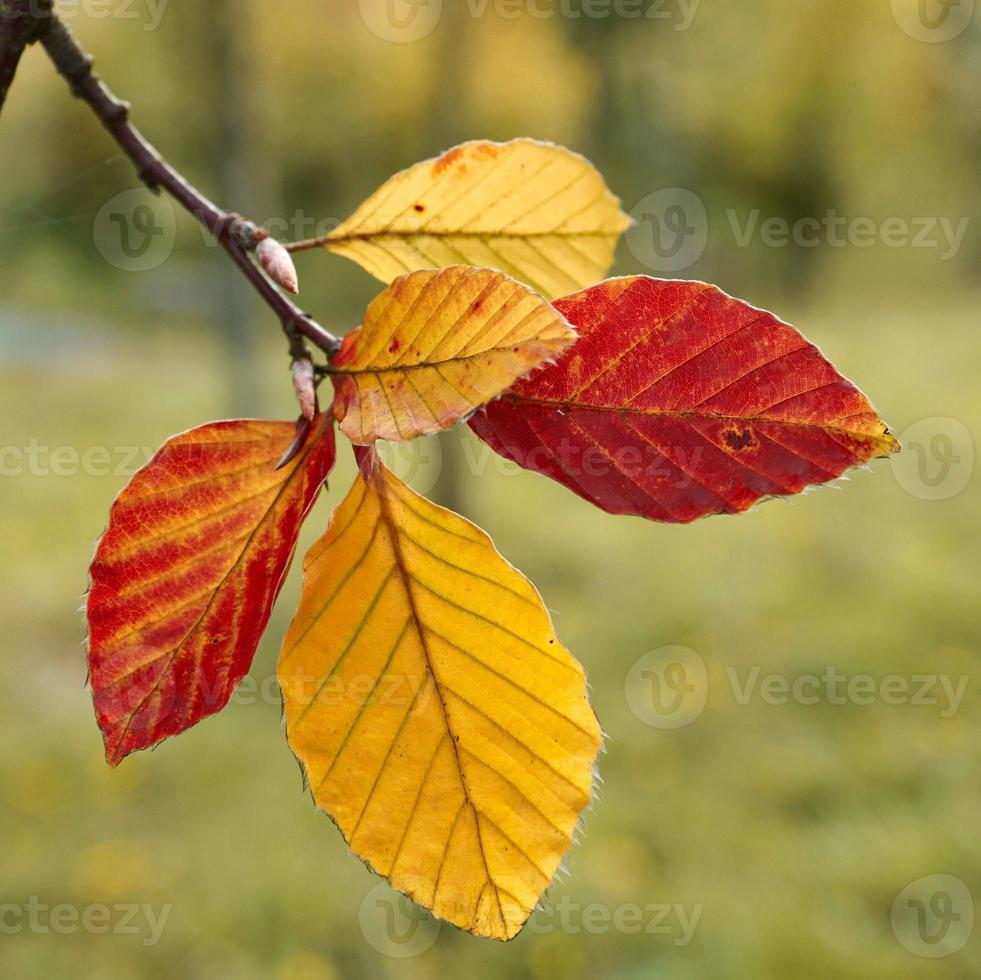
(783, 833)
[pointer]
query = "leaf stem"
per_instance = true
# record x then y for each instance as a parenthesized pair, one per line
(306, 244)
(75, 66)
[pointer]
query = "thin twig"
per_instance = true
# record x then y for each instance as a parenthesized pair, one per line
(75, 65)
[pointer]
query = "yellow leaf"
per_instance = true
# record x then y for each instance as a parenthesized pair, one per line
(537, 211)
(438, 719)
(435, 346)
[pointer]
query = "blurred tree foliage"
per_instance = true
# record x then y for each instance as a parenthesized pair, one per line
(832, 107)
(795, 826)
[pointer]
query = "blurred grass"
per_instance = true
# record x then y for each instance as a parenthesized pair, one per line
(793, 826)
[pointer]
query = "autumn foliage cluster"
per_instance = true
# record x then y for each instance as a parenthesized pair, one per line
(461, 771)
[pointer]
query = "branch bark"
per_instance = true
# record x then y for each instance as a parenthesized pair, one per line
(229, 229)
(20, 22)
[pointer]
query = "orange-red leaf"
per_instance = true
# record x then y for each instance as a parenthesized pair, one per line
(679, 401)
(186, 575)
(435, 346)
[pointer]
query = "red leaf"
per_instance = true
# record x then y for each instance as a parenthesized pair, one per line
(679, 401)
(185, 577)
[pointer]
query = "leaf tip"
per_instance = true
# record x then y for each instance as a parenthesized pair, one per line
(890, 444)
(303, 426)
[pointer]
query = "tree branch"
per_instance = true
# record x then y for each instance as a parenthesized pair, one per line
(230, 230)
(20, 22)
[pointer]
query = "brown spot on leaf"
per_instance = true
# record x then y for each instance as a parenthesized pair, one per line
(738, 440)
(419, 208)
(488, 151)
(395, 346)
(446, 161)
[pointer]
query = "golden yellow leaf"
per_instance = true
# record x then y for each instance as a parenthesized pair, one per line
(438, 719)
(537, 211)
(435, 346)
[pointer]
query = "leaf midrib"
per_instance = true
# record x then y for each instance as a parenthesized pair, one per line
(299, 468)
(559, 404)
(464, 359)
(393, 529)
(328, 242)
